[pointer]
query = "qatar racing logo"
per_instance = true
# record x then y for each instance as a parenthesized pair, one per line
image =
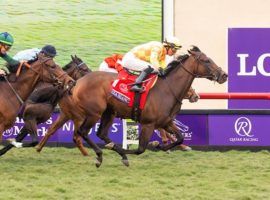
(243, 126)
(123, 88)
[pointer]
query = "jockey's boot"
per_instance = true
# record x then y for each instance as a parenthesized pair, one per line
(138, 82)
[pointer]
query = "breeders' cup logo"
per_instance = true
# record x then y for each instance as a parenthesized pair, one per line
(242, 127)
(123, 88)
(181, 126)
(185, 130)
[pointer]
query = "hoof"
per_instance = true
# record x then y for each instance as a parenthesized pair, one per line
(109, 145)
(38, 149)
(154, 144)
(125, 162)
(98, 162)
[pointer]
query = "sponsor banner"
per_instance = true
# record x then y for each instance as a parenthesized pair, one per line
(65, 133)
(41, 130)
(239, 130)
(249, 65)
(193, 127)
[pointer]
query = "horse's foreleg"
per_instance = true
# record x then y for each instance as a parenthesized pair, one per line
(83, 131)
(52, 129)
(145, 135)
(103, 131)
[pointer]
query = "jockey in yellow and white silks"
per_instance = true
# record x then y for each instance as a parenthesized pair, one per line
(149, 57)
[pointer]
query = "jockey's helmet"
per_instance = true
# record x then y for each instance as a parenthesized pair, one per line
(49, 50)
(6, 38)
(172, 42)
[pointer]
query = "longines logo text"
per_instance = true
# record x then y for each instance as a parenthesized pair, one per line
(252, 71)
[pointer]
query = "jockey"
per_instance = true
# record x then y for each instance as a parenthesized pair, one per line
(149, 57)
(6, 42)
(29, 54)
(112, 64)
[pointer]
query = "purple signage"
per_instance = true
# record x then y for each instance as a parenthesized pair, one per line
(249, 65)
(239, 130)
(65, 133)
(193, 127)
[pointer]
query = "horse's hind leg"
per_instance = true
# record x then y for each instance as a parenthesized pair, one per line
(83, 132)
(105, 123)
(52, 129)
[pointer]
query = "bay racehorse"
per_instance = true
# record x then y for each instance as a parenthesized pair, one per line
(13, 93)
(93, 97)
(39, 111)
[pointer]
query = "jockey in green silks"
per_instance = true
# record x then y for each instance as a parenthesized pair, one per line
(6, 42)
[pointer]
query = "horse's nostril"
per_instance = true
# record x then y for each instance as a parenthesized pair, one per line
(225, 76)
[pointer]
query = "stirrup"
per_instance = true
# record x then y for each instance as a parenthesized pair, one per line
(136, 88)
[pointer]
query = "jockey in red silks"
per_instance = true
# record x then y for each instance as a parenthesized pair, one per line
(112, 63)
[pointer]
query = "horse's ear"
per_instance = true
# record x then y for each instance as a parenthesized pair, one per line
(72, 57)
(189, 51)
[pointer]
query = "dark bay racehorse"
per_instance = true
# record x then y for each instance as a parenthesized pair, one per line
(39, 112)
(42, 69)
(92, 98)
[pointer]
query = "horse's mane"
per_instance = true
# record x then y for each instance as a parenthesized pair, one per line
(172, 65)
(67, 66)
(178, 60)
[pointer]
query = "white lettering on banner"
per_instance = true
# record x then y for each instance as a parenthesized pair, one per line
(68, 127)
(13, 131)
(253, 72)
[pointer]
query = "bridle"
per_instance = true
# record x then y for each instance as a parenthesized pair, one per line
(211, 73)
(39, 75)
(78, 69)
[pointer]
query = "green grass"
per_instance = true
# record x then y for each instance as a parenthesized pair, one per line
(92, 29)
(61, 173)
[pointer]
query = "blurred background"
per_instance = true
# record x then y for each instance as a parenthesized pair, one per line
(92, 29)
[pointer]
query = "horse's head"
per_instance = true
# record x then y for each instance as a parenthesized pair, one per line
(76, 68)
(48, 71)
(205, 67)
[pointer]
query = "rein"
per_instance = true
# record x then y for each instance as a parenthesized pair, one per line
(14, 91)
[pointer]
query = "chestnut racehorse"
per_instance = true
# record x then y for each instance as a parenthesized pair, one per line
(36, 113)
(14, 93)
(93, 99)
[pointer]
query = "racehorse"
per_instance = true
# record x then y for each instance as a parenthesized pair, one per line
(14, 93)
(39, 112)
(93, 99)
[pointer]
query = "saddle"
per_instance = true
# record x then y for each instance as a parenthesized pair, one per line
(121, 90)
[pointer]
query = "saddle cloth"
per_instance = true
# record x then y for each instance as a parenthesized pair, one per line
(121, 88)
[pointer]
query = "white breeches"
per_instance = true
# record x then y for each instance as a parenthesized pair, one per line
(104, 67)
(130, 61)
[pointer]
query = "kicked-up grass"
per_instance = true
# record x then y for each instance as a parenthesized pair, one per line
(62, 173)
